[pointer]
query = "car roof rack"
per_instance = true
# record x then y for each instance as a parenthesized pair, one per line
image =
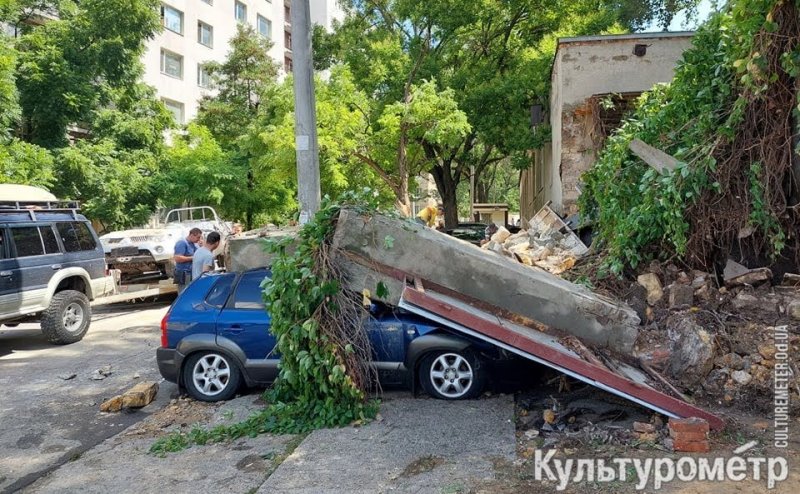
(33, 207)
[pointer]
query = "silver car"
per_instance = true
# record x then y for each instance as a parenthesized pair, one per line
(148, 252)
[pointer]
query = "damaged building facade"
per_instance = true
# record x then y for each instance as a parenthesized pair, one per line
(594, 81)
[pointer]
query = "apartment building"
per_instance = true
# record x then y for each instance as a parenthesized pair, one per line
(198, 31)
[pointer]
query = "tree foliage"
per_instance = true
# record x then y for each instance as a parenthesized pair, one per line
(494, 56)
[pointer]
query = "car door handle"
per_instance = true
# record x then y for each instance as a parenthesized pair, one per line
(233, 329)
(55, 267)
(6, 273)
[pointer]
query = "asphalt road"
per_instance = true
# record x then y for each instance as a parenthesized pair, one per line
(47, 417)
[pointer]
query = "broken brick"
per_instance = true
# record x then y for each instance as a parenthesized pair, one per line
(688, 436)
(690, 446)
(691, 424)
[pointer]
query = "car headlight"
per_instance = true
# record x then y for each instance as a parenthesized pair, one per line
(159, 249)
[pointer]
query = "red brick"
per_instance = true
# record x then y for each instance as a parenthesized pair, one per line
(692, 424)
(690, 446)
(643, 427)
(688, 436)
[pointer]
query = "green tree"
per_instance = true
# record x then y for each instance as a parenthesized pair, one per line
(495, 56)
(243, 82)
(70, 66)
(115, 171)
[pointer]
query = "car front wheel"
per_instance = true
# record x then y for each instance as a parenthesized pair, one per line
(67, 318)
(211, 376)
(452, 375)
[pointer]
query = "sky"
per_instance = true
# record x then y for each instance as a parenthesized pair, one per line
(679, 23)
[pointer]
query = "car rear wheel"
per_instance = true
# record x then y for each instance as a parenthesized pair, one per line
(211, 376)
(67, 318)
(452, 375)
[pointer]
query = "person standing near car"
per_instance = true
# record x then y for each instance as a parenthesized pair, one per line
(184, 251)
(203, 259)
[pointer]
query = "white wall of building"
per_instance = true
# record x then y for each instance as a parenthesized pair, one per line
(220, 15)
(596, 65)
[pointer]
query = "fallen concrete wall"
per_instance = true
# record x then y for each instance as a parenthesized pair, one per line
(385, 244)
(250, 251)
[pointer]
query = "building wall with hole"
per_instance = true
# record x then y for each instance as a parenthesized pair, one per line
(583, 69)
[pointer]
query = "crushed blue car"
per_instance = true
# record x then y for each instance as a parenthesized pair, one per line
(216, 338)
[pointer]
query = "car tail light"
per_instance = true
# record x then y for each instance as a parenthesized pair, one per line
(164, 330)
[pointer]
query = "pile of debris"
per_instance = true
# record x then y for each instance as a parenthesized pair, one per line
(548, 243)
(719, 338)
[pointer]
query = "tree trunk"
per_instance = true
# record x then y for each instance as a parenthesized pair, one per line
(447, 186)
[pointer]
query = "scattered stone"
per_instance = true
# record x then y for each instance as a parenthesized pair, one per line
(112, 405)
(67, 377)
(731, 360)
(735, 274)
(102, 373)
(793, 309)
(680, 295)
(549, 416)
(767, 351)
(653, 285)
(741, 377)
(531, 433)
(715, 382)
(140, 395)
(501, 235)
(644, 427)
(636, 298)
(691, 349)
(790, 279)
(647, 437)
(684, 279)
(761, 375)
(136, 376)
(747, 301)
(700, 279)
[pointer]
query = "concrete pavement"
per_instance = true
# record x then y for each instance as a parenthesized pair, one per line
(49, 418)
(418, 445)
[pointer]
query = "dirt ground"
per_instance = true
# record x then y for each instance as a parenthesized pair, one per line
(600, 425)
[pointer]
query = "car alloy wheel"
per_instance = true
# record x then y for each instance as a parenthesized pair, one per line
(452, 375)
(73, 317)
(212, 376)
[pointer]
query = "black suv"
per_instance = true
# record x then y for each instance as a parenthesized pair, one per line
(51, 265)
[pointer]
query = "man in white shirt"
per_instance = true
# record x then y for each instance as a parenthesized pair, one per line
(203, 259)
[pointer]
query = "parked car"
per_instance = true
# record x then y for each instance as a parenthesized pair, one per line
(471, 232)
(216, 337)
(51, 266)
(149, 251)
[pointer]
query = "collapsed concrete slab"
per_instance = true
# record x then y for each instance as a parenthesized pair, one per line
(249, 250)
(390, 246)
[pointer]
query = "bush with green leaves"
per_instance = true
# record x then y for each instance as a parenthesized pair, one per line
(324, 370)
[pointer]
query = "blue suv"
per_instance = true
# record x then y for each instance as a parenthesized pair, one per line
(216, 337)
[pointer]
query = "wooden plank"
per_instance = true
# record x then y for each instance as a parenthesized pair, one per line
(654, 157)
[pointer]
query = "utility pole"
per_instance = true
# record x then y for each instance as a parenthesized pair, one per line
(305, 126)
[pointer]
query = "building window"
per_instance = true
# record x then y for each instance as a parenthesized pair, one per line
(287, 12)
(172, 19)
(287, 40)
(264, 27)
(176, 108)
(203, 77)
(240, 12)
(171, 64)
(287, 64)
(205, 34)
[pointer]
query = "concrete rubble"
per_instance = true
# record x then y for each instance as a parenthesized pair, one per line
(139, 396)
(548, 243)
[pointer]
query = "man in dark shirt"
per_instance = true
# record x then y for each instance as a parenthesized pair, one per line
(184, 250)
